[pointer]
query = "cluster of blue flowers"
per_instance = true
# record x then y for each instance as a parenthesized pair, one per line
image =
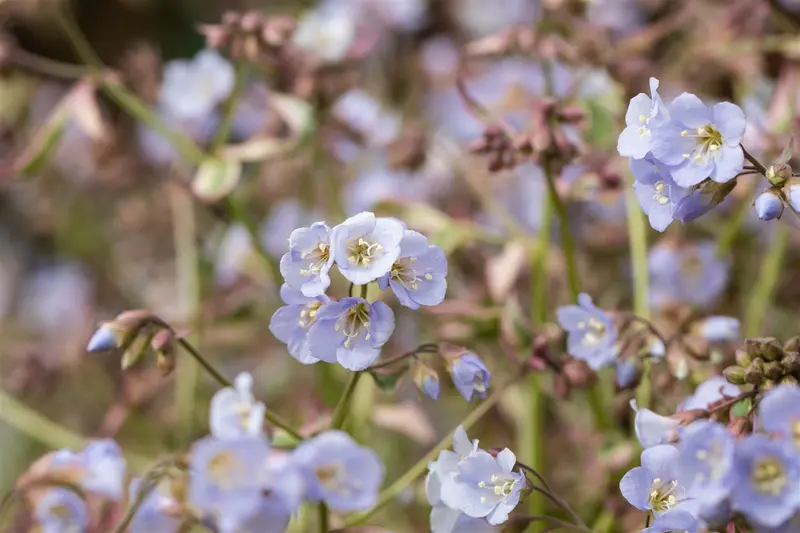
(700, 475)
(365, 248)
(681, 154)
(469, 487)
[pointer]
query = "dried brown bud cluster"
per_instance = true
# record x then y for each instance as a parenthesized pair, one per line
(250, 35)
(501, 149)
(764, 362)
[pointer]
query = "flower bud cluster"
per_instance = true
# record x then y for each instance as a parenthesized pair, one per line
(765, 362)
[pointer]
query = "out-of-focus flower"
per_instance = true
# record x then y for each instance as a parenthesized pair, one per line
(154, 513)
(364, 114)
(779, 413)
(623, 17)
(711, 390)
(305, 267)
(704, 465)
(234, 411)
(227, 478)
(794, 196)
(591, 333)
(283, 494)
(473, 15)
(765, 480)
(193, 88)
(653, 429)
(719, 328)
(426, 379)
(418, 276)
(327, 32)
(339, 472)
(654, 486)
(105, 469)
(351, 331)
(658, 195)
(692, 274)
(470, 376)
(627, 374)
(769, 205)
(699, 141)
(59, 510)
(365, 247)
(291, 323)
(644, 113)
(489, 486)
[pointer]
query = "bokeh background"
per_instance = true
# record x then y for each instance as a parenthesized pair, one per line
(99, 213)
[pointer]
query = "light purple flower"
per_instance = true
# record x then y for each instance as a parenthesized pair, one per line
(711, 390)
(431, 387)
(675, 521)
(766, 480)
(591, 333)
(235, 413)
(283, 494)
(653, 429)
(720, 329)
(794, 197)
(351, 331)
(700, 142)
(627, 373)
(644, 112)
(105, 469)
(658, 195)
(291, 323)
(59, 510)
(654, 486)
(305, 267)
(693, 206)
(440, 484)
(693, 274)
(153, 514)
(704, 466)
(227, 479)
(470, 376)
(489, 487)
(779, 413)
(102, 340)
(339, 472)
(418, 276)
(768, 206)
(365, 247)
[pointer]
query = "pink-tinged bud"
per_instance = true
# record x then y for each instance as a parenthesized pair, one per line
(578, 374)
(740, 425)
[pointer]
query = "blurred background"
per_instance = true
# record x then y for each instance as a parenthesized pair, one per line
(131, 178)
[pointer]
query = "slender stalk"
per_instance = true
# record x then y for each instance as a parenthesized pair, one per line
(729, 232)
(231, 104)
(769, 274)
(637, 238)
(141, 495)
(324, 519)
(273, 419)
(756, 163)
(343, 407)
(567, 241)
(187, 260)
(419, 467)
(44, 65)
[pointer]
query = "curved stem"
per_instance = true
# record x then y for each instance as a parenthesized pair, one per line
(567, 241)
(756, 163)
(230, 107)
(769, 274)
(343, 407)
(389, 493)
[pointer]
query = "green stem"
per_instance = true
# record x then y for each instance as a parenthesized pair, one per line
(145, 489)
(343, 407)
(187, 260)
(273, 419)
(28, 422)
(731, 230)
(764, 289)
(390, 492)
(567, 241)
(231, 104)
(637, 238)
(324, 519)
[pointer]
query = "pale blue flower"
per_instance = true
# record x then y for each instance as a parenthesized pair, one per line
(489, 487)
(766, 480)
(658, 195)
(627, 373)
(284, 217)
(105, 469)
(291, 323)
(418, 276)
(283, 494)
(779, 413)
(704, 466)
(693, 274)
(693, 206)
(720, 329)
(653, 429)
(60, 510)
(339, 472)
(351, 332)
(440, 484)
(674, 521)
(654, 486)
(234, 411)
(768, 206)
(700, 142)
(158, 510)
(102, 340)
(365, 247)
(591, 333)
(305, 267)
(470, 376)
(644, 112)
(794, 197)
(711, 390)
(227, 479)
(431, 387)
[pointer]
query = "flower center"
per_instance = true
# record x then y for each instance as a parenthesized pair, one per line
(329, 475)
(353, 322)
(595, 331)
(403, 272)
(499, 485)
(769, 476)
(662, 495)
(708, 140)
(308, 316)
(659, 196)
(224, 470)
(645, 121)
(714, 458)
(317, 258)
(362, 252)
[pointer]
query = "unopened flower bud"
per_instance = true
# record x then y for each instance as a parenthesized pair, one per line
(104, 339)
(794, 194)
(773, 370)
(427, 380)
(792, 345)
(791, 362)
(768, 384)
(767, 348)
(743, 359)
(778, 174)
(769, 205)
(734, 374)
(788, 380)
(754, 374)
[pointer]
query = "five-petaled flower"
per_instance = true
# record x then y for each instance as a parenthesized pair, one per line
(644, 112)
(657, 193)
(591, 333)
(59, 510)
(488, 485)
(365, 246)
(234, 411)
(654, 486)
(418, 276)
(779, 413)
(470, 376)
(291, 323)
(306, 265)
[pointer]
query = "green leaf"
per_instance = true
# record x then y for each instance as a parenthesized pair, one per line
(741, 408)
(216, 178)
(387, 381)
